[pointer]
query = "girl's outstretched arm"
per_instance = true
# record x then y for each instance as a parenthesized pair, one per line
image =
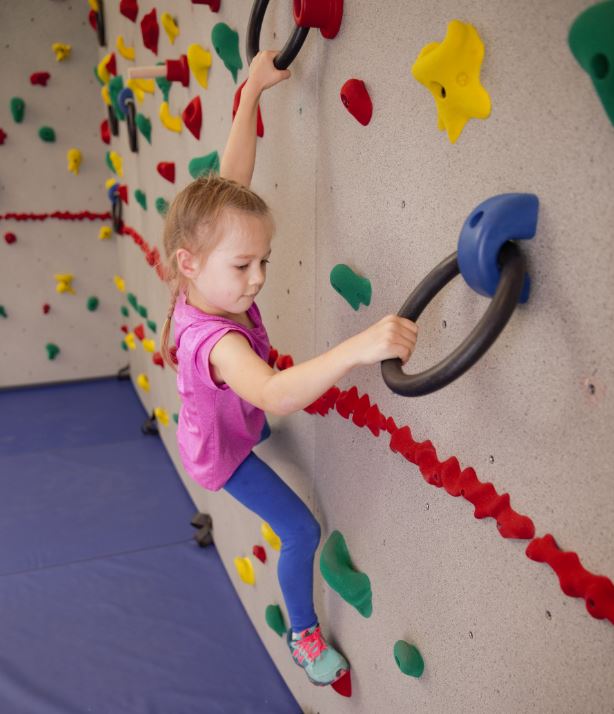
(235, 363)
(240, 152)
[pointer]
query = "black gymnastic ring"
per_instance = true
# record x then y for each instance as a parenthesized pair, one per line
(116, 213)
(100, 29)
(502, 305)
(292, 47)
(131, 124)
(113, 121)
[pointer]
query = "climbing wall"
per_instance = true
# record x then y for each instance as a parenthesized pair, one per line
(443, 551)
(50, 217)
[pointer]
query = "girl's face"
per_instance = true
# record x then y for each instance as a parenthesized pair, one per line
(228, 279)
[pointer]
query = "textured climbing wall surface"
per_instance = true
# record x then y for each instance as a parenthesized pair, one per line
(34, 179)
(533, 417)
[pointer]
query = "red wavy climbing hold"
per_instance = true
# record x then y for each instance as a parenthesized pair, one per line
(166, 169)
(105, 132)
(40, 78)
(111, 64)
(235, 107)
(46, 308)
(357, 101)
(575, 580)
(343, 686)
(139, 331)
(260, 553)
(150, 30)
(213, 4)
(157, 359)
(3, 136)
(193, 116)
(346, 402)
(129, 9)
(10, 238)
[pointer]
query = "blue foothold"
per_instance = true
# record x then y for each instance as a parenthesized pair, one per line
(508, 216)
(125, 96)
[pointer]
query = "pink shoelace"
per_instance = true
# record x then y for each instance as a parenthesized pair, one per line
(310, 646)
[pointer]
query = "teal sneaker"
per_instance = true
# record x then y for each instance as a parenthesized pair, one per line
(322, 663)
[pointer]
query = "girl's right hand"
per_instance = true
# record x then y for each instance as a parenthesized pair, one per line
(392, 336)
(263, 73)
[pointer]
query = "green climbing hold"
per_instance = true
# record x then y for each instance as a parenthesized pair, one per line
(176, 418)
(275, 619)
(337, 569)
(142, 310)
(144, 126)
(141, 199)
(162, 206)
(226, 43)
(354, 288)
(152, 325)
(164, 84)
(52, 350)
(202, 165)
(100, 81)
(3, 311)
(116, 85)
(124, 311)
(47, 134)
(131, 298)
(591, 40)
(124, 346)
(109, 163)
(92, 303)
(408, 659)
(18, 109)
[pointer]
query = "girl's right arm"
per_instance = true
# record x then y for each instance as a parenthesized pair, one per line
(236, 363)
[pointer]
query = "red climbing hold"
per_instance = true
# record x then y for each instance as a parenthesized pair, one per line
(92, 19)
(213, 4)
(3, 136)
(10, 238)
(111, 65)
(46, 308)
(105, 132)
(40, 78)
(122, 190)
(157, 359)
(129, 9)
(346, 402)
(166, 169)
(178, 70)
(235, 107)
(193, 116)
(273, 355)
(173, 352)
(260, 553)
(343, 686)
(139, 331)
(150, 31)
(284, 361)
(357, 101)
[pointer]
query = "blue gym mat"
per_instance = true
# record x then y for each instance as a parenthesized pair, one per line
(107, 604)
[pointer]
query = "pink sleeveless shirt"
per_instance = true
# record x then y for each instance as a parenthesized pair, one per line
(217, 429)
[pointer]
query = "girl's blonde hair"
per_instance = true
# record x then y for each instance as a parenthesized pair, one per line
(191, 223)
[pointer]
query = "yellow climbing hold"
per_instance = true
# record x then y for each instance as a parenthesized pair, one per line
(93, 4)
(246, 570)
(450, 70)
(270, 536)
(199, 61)
(104, 233)
(140, 87)
(106, 98)
(143, 382)
(149, 345)
(120, 283)
(117, 162)
(101, 69)
(64, 283)
(162, 416)
(124, 50)
(74, 160)
(170, 27)
(130, 341)
(110, 182)
(170, 122)
(61, 50)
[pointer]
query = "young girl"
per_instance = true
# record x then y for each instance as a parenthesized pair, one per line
(217, 240)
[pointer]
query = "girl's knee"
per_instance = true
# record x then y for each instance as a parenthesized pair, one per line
(313, 532)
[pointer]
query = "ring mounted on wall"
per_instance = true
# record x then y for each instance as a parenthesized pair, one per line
(501, 219)
(126, 102)
(325, 15)
(100, 31)
(113, 122)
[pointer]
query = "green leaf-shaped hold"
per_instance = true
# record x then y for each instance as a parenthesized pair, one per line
(408, 659)
(116, 84)
(275, 619)
(202, 165)
(18, 109)
(52, 350)
(47, 134)
(226, 43)
(337, 569)
(144, 126)
(162, 206)
(354, 288)
(141, 198)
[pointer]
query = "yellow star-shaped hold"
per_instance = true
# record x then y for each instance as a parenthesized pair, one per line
(64, 283)
(104, 234)
(74, 158)
(120, 283)
(149, 345)
(61, 51)
(130, 341)
(162, 416)
(450, 70)
(143, 382)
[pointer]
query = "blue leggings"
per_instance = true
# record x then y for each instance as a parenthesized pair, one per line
(261, 490)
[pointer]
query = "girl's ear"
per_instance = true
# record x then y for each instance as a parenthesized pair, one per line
(187, 263)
